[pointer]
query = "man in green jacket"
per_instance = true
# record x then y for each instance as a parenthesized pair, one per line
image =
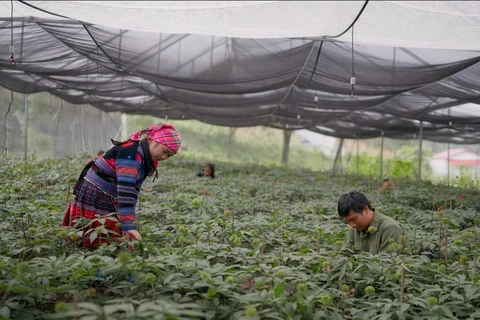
(370, 231)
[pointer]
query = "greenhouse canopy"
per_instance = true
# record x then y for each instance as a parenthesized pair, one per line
(283, 64)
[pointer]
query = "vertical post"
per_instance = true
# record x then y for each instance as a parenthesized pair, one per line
(381, 159)
(286, 145)
(448, 164)
(448, 154)
(358, 159)
(230, 141)
(102, 128)
(338, 155)
(74, 137)
(476, 163)
(82, 124)
(26, 128)
(419, 177)
(58, 123)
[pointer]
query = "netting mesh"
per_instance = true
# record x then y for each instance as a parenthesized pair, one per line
(245, 82)
(59, 129)
(55, 128)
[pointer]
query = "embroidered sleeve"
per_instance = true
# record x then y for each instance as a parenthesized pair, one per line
(128, 173)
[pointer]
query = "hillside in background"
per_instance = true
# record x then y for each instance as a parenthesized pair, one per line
(256, 145)
(58, 129)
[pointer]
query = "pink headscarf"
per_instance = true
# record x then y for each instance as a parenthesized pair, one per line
(162, 133)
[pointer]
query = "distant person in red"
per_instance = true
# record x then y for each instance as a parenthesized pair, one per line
(208, 171)
(387, 184)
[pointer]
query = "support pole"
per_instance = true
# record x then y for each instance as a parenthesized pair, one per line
(286, 146)
(381, 159)
(448, 155)
(230, 141)
(419, 176)
(74, 135)
(448, 164)
(337, 157)
(476, 163)
(26, 128)
(358, 158)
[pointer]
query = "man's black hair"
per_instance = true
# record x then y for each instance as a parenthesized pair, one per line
(353, 200)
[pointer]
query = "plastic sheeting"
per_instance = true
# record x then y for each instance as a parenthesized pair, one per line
(234, 81)
(419, 24)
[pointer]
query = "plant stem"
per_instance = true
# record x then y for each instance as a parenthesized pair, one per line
(262, 249)
(440, 235)
(196, 241)
(475, 248)
(10, 285)
(144, 258)
(75, 302)
(402, 285)
(281, 236)
(233, 222)
(414, 236)
(208, 237)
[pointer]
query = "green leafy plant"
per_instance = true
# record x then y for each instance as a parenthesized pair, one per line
(232, 253)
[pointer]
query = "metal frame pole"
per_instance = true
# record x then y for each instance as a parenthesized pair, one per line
(448, 164)
(358, 159)
(448, 156)
(419, 177)
(26, 128)
(74, 136)
(381, 160)
(476, 163)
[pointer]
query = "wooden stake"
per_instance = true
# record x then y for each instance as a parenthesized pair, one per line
(75, 302)
(262, 249)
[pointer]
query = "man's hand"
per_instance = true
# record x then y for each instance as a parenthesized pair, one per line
(132, 235)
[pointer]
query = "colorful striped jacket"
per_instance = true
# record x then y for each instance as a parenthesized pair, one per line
(128, 164)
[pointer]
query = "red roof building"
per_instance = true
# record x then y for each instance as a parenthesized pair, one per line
(459, 160)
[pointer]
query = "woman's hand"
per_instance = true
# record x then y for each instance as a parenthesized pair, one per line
(132, 235)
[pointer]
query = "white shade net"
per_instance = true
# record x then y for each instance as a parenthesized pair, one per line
(256, 63)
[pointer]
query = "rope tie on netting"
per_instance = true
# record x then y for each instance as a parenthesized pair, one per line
(352, 79)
